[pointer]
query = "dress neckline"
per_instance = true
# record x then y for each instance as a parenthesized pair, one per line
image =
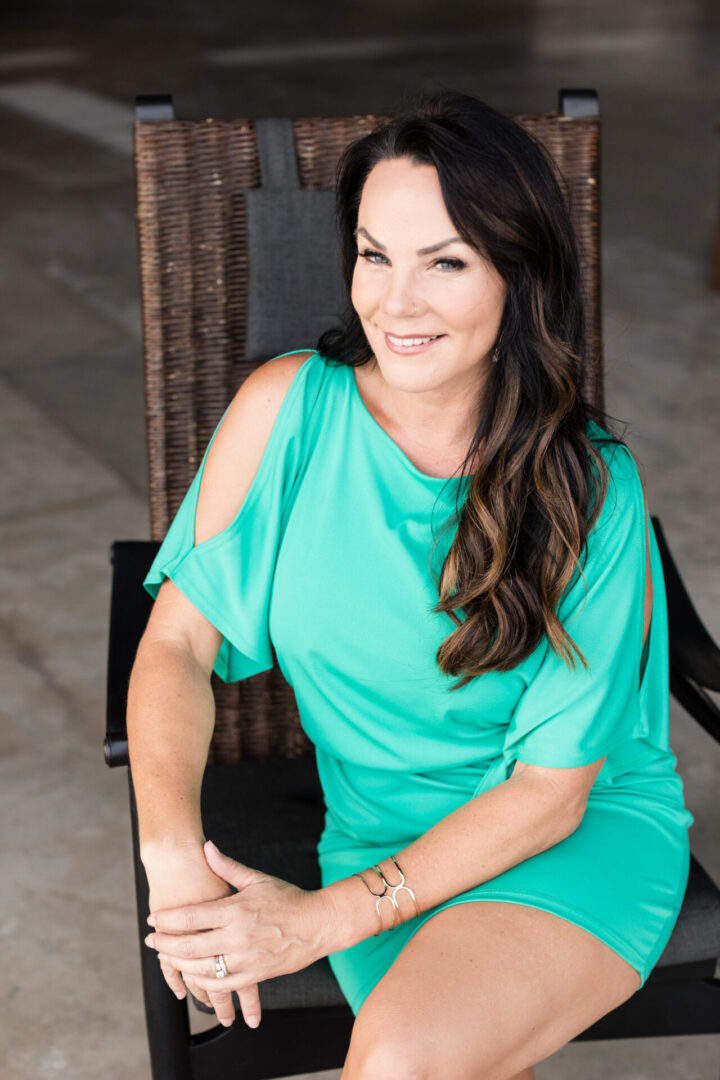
(400, 453)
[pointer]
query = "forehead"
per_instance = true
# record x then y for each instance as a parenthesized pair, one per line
(400, 184)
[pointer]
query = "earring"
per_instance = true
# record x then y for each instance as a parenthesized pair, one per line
(495, 355)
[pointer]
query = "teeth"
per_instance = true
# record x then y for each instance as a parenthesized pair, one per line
(412, 341)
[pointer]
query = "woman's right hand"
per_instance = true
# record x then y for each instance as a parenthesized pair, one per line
(179, 875)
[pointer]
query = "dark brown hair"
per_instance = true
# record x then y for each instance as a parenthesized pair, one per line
(540, 482)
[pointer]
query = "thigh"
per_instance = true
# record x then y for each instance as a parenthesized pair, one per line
(483, 990)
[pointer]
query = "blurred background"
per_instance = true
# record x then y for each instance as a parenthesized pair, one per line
(71, 399)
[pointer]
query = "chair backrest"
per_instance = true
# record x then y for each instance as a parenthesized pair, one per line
(202, 332)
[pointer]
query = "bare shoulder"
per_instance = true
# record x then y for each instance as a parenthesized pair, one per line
(240, 442)
(273, 378)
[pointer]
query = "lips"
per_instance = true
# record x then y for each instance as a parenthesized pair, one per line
(416, 339)
(411, 343)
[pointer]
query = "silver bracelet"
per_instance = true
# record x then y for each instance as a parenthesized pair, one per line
(384, 895)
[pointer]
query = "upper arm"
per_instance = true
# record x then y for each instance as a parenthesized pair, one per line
(232, 462)
(568, 720)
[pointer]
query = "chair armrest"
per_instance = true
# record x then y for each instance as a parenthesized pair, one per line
(693, 653)
(130, 607)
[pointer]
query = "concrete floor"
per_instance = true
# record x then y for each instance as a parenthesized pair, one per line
(72, 414)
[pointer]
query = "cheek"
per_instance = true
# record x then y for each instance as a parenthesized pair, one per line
(354, 291)
(362, 293)
(466, 309)
(477, 305)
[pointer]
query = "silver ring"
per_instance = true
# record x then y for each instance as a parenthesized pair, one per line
(220, 968)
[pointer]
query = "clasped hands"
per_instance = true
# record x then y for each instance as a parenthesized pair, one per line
(269, 927)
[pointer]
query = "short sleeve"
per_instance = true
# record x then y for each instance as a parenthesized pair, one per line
(568, 717)
(229, 576)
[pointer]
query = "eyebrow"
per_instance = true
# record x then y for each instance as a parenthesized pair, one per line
(421, 251)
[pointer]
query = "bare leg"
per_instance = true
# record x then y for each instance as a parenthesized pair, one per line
(485, 990)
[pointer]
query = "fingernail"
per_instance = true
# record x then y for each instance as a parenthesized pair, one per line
(149, 940)
(253, 1021)
(151, 919)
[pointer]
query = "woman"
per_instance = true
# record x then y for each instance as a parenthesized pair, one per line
(451, 556)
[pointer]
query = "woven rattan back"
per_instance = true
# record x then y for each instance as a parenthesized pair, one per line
(190, 176)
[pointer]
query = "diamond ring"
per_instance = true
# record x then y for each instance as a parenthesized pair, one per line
(220, 968)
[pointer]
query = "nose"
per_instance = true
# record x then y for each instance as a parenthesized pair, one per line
(399, 298)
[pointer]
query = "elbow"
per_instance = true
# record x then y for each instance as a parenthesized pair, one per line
(563, 791)
(572, 822)
(566, 815)
(570, 816)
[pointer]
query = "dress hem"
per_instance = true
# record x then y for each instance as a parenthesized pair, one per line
(599, 930)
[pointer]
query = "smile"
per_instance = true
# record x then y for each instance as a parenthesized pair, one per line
(411, 344)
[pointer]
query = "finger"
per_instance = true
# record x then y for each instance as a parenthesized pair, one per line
(188, 947)
(210, 915)
(249, 996)
(238, 982)
(190, 967)
(250, 1005)
(174, 979)
(197, 991)
(224, 1007)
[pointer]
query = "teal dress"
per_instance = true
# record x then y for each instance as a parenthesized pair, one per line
(330, 560)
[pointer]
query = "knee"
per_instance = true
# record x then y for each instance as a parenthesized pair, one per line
(389, 1056)
(379, 1050)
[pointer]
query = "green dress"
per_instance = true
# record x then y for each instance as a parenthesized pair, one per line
(330, 561)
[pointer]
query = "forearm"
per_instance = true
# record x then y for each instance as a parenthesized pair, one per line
(170, 720)
(484, 837)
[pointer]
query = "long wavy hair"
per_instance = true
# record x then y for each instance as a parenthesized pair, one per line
(540, 482)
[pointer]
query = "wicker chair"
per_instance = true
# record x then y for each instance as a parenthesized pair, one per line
(261, 800)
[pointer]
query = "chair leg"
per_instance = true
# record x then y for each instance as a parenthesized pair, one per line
(168, 1024)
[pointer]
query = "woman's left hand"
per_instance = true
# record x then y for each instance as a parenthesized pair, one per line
(268, 928)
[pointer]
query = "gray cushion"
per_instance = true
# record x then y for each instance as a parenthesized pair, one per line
(696, 934)
(295, 285)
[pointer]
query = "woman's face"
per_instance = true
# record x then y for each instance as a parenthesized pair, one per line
(402, 291)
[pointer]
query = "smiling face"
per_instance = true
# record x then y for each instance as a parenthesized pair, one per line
(401, 289)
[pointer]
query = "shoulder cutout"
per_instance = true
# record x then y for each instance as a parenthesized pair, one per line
(240, 443)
